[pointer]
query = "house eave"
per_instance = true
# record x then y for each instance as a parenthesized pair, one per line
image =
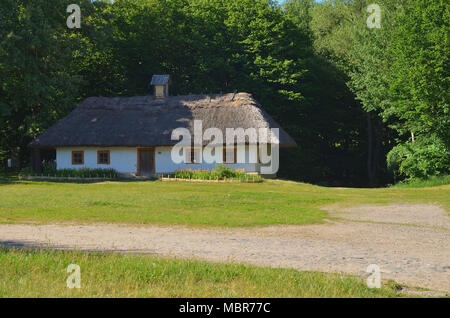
(37, 146)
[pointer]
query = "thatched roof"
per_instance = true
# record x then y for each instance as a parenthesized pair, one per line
(147, 122)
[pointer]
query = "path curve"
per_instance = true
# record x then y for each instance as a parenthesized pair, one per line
(411, 250)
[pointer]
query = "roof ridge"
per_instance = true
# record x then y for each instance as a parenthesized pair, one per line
(198, 100)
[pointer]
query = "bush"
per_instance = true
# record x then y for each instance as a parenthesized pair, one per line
(422, 159)
(224, 172)
(220, 173)
(27, 171)
(50, 171)
(49, 168)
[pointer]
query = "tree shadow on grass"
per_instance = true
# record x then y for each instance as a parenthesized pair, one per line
(30, 246)
(8, 180)
(27, 245)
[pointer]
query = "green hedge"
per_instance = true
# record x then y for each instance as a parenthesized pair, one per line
(50, 171)
(425, 158)
(220, 173)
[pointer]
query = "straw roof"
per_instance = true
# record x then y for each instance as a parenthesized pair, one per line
(147, 122)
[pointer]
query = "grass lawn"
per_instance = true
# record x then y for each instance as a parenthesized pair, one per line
(423, 183)
(25, 273)
(196, 204)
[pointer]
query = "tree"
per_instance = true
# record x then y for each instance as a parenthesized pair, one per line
(37, 86)
(419, 90)
(300, 13)
(342, 37)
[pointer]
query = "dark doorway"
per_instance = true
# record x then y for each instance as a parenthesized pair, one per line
(146, 162)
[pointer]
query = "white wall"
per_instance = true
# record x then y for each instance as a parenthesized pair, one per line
(123, 160)
(164, 163)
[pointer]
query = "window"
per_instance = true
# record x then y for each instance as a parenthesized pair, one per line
(229, 155)
(193, 155)
(103, 157)
(77, 157)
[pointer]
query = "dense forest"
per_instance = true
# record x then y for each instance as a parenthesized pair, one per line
(367, 104)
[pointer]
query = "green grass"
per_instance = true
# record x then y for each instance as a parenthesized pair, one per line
(196, 204)
(38, 273)
(423, 183)
(26, 273)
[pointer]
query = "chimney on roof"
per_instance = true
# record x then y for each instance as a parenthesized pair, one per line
(161, 84)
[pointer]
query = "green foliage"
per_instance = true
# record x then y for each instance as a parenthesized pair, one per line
(435, 181)
(300, 12)
(50, 171)
(219, 173)
(225, 172)
(49, 168)
(27, 171)
(329, 124)
(38, 85)
(346, 94)
(398, 74)
(420, 73)
(423, 158)
(419, 78)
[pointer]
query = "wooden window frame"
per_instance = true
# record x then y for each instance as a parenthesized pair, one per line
(99, 152)
(189, 151)
(82, 157)
(224, 155)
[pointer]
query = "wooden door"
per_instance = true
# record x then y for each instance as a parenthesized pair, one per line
(146, 162)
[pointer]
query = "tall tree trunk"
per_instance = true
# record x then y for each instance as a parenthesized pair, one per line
(375, 129)
(379, 128)
(370, 175)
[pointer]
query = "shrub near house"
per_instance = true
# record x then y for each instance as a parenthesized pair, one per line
(49, 170)
(220, 173)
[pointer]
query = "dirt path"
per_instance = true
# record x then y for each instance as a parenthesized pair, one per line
(411, 245)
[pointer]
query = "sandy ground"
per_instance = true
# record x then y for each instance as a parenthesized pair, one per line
(410, 243)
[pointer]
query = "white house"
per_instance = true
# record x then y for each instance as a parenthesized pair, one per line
(134, 135)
